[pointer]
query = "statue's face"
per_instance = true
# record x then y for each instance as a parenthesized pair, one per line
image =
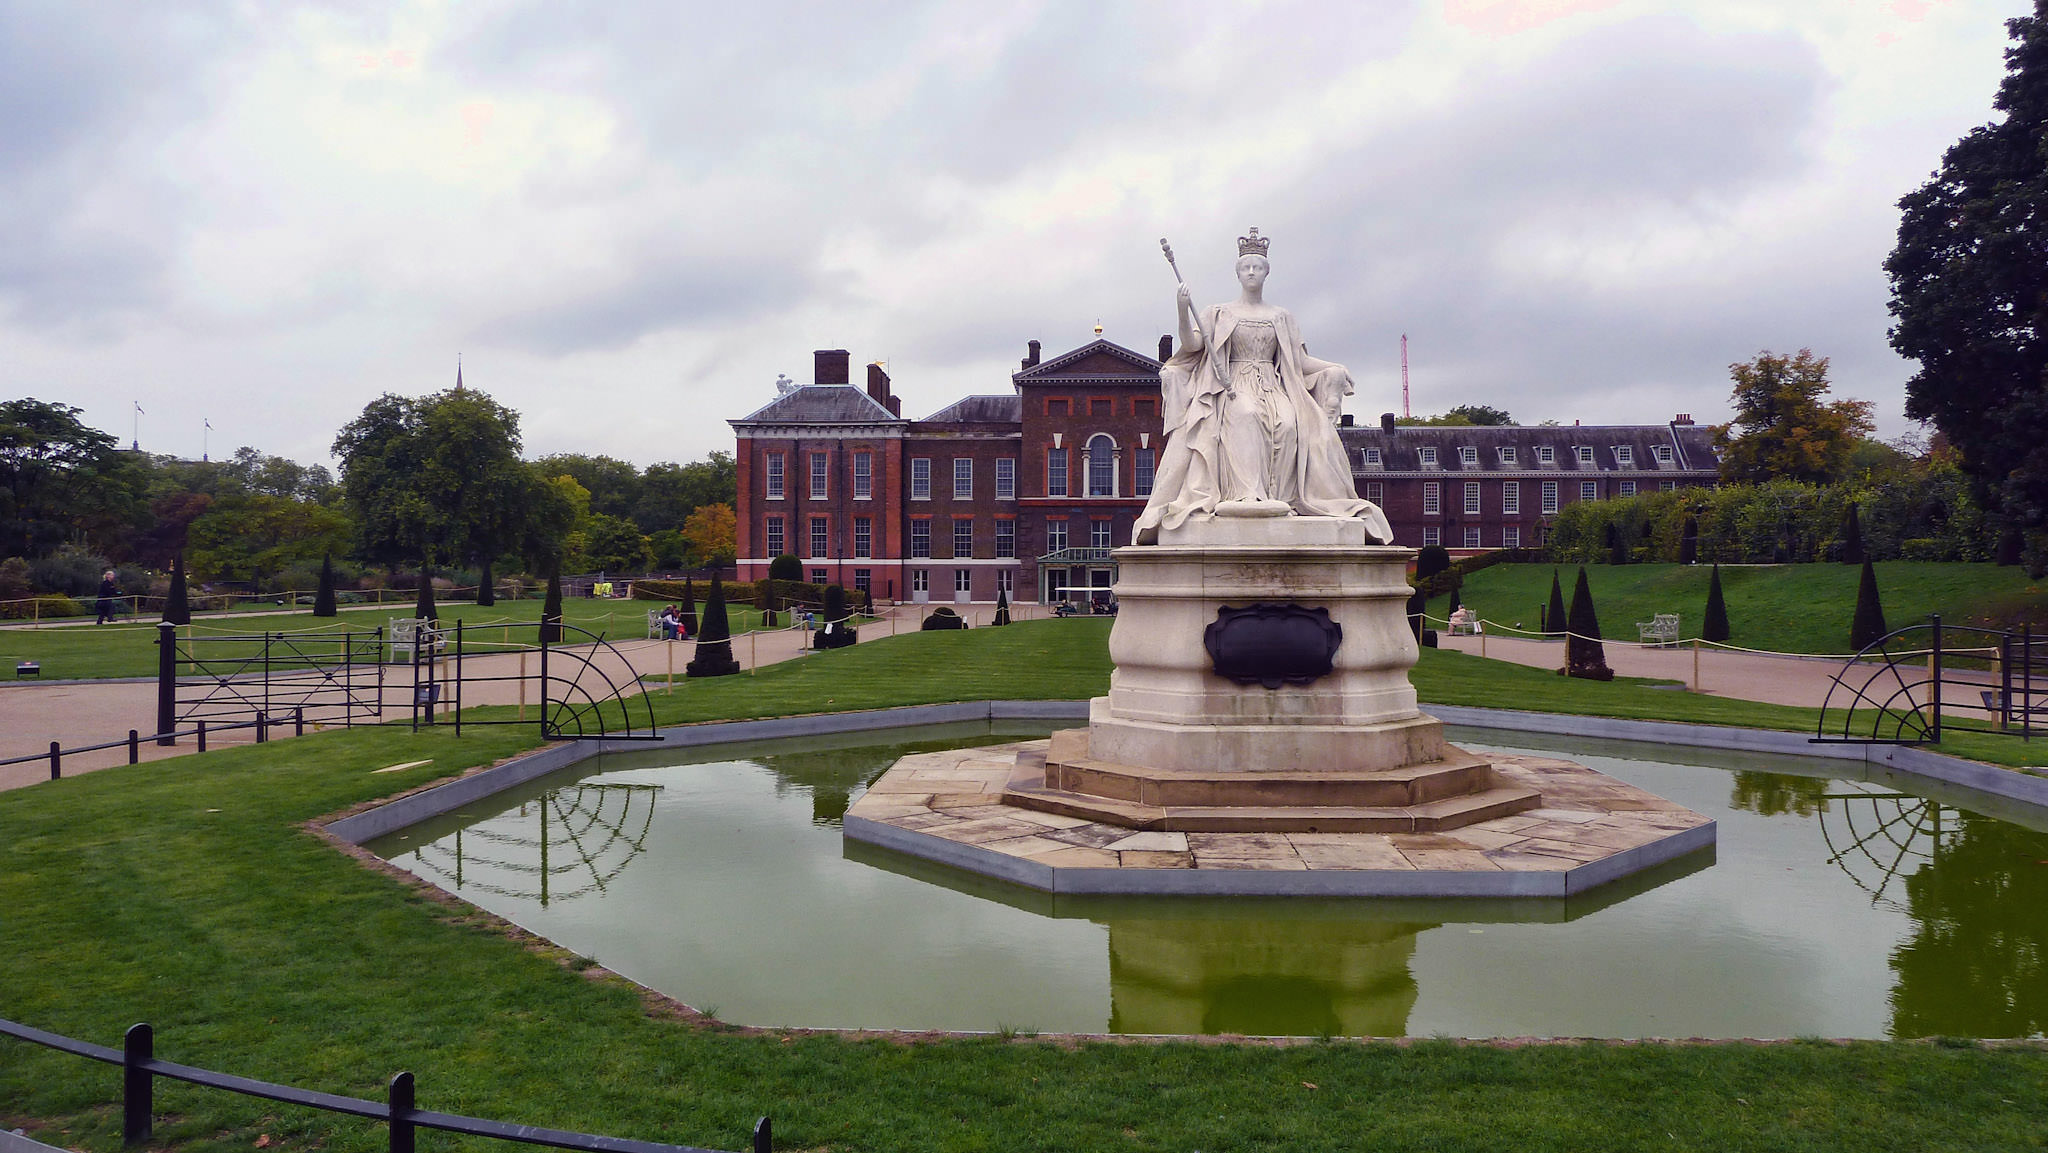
(1251, 272)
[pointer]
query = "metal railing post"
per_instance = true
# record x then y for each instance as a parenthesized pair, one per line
(56, 761)
(763, 1136)
(166, 683)
(200, 731)
(400, 1097)
(138, 1088)
(262, 728)
(1934, 660)
(458, 677)
(134, 746)
(2026, 682)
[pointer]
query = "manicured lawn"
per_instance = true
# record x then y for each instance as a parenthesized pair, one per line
(81, 652)
(1781, 608)
(186, 893)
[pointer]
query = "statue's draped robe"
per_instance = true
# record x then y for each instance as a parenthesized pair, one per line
(1191, 475)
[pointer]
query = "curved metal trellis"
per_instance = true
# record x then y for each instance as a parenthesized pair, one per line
(1914, 682)
(1876, 838)
(588, 689)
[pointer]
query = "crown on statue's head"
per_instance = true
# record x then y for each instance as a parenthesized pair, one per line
(1253, 245)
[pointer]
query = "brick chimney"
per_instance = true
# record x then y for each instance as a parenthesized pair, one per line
(1165, 349)
(831, 365)
(1682, 418)
(1031, 354)
(878, 384)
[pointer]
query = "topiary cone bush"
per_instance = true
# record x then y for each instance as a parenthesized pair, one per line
(486, 593)
(836, 630)
(1553, 615)
(1715, 624)
(1584, 656)
(1689, 541)
(1852, 537)
(423, 604)
(1868, 627)
(177, 607)
(323, 594)
(1002, 608)
(551, 607)
(714, 640)
(689, 607)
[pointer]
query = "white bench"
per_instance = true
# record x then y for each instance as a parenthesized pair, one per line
(1660, 629)
(404, 636)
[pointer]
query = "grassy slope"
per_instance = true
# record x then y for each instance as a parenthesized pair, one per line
(1783, 608)
(185, 894)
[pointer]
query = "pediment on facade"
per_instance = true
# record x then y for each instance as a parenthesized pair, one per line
(1094, 361)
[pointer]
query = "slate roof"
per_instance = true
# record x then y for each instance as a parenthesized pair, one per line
(980, 410)
(1518, 450)
(821, 404)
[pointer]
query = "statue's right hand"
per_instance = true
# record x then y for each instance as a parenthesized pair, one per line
(1186, 298)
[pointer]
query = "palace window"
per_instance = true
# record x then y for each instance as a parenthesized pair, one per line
(1006, 581)
(774, 476)
(1585, 452)
(1511, 536)
(1468, 456)
(1545, 454)
(1432, 498)
(820, 575)
(1376, 491)
(1471, 498)
(863, 536)
(1472, 536)
(775, 541)
(1549, 496)
(1101, 466)
(1511, 497)
(921, 478)
(1507, 454)
(864, 580)
(1624, 456)
(1589, 490)
(1429, 457)
(1663, 453)
(920, 580)
(963, 581)
(1099, 534)
(817, 476)
(1055, 536)
(963, 536)
(1628, 488)
(920, 538)
(863, 475)
(1372, 458)
(821, 536)
(1142, 481)
(1006, 478)
(1006, 538)
(1055, 472)
(1432, 535)
(963, 478)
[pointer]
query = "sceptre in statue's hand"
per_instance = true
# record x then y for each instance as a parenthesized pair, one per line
(1191, 320)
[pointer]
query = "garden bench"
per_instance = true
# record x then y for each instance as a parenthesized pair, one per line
(1660, 629)
(405, 633)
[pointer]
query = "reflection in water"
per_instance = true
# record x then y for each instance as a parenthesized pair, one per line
(1292, 978)
(1877, 838)
(1977, 963)
(1775, 794)
(832, 776)
(584, 834)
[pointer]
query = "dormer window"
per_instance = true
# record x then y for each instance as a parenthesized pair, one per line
(1372, 457)
(1468, 457)
(1624, 456)
(1429, 458)
(1663, 453)
(1545, 454)
(1507, 455)
(1585, 453)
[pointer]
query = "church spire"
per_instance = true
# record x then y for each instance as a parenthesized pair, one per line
(458, 372)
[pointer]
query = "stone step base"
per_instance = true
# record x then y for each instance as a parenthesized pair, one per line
(1412, 800)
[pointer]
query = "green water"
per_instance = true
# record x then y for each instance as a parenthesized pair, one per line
(1830, 907)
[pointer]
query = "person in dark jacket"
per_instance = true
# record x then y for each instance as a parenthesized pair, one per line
(109, 592)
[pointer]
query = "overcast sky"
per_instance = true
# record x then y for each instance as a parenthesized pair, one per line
(627, 218)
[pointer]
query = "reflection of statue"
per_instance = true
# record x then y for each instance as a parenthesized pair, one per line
(1251, 417)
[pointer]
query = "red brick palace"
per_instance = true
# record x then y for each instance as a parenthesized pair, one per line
(1026, 492)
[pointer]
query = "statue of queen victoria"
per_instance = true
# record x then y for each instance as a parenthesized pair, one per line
(1251, 417)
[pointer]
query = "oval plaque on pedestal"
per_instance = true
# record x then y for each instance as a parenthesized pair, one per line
(1272, 644)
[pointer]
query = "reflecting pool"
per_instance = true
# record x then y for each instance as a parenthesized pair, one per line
(1831, 907)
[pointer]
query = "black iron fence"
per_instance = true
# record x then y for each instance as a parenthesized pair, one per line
(336, 677)
(584, 687)
(134, 740)
(1921, 681)
(140, 1068)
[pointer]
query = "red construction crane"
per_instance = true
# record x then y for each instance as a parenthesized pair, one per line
(1404, 377)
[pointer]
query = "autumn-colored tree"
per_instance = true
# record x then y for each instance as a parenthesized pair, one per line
(712, 533)
(1783, 428)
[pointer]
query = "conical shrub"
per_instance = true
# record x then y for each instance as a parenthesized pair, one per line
(1553, 614)
(423, 604)
(323, 595)
(1002, 608)
(551, 608)
(486, 590)
(1714, 626)
(177, 607)
(1689, 541)
(1584, 656)
(689, 609)
(1868, 628)
(836, 630)
(1852, 537)
(714, 641)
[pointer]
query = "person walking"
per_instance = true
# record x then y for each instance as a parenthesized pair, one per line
(108, 592)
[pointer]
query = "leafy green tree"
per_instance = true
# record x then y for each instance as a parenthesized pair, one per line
(713, 534)
(614, 544)
(1715, 626)
(670, 492)
(1783, 429)
(614, 485)
(50, 466)
(436, 480)
(1464, 415)
(1969, 281)
(248, 535)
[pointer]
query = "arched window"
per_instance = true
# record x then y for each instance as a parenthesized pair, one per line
(1101, 465)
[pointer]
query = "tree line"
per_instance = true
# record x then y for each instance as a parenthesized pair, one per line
(426, 483)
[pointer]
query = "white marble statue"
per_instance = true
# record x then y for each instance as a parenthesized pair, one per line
(1251, 417)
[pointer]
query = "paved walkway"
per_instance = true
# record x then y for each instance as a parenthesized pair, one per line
(1784, 680)
(81, 713)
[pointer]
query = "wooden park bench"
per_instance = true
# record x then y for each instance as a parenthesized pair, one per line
(1660, 629)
